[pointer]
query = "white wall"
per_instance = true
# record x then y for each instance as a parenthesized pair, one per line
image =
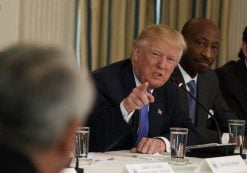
(47, 22)
(37, 21)
(9, 22)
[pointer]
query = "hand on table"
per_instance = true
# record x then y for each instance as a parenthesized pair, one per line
(150, 146)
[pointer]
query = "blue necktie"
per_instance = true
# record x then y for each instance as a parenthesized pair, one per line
(143, 124)
(192, 103)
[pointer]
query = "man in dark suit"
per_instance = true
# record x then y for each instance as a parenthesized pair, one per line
(202, 38)
(126, 87)
(41, 91)
(233, 81)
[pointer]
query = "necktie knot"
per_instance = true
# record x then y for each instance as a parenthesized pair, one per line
(192, 86)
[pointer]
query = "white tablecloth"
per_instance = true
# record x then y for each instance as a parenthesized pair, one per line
(114, 162)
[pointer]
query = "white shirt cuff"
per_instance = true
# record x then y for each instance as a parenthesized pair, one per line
(167, 143)
(125, 114)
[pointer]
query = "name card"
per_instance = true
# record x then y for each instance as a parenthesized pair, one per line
(228, 164)
(160, 167)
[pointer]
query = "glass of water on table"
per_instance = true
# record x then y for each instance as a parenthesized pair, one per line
(178, 140)
(82, 145)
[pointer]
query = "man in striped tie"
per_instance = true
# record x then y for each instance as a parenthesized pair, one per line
(203, 39)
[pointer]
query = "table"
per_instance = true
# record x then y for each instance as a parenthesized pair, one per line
(114, 162)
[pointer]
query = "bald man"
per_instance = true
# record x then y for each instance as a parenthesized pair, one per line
(203, 38)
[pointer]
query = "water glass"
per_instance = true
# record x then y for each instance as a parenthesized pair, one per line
(236, 132)
(82, 144)
(178, 140)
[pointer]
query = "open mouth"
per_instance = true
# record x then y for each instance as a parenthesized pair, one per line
(157, 75)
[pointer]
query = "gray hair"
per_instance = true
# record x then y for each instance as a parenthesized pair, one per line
(41, 91)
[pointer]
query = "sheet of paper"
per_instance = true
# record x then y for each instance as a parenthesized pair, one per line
(158, 167)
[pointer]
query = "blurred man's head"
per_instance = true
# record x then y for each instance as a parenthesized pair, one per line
(243, 51)
(43, 99)
(155, 54)
(202, 37)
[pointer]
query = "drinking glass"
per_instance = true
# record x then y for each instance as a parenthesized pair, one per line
(178, 140)
(236, 133)
(82, 145)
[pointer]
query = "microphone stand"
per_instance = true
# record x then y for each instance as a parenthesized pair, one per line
(78, 170)
(181, 85)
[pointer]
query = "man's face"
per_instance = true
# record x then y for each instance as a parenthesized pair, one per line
(155, 62)
(244, 49)
(203, 45)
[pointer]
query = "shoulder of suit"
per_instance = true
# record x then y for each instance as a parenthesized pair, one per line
(112, 69)
(229, 71)
(229, 67)
(209, 74)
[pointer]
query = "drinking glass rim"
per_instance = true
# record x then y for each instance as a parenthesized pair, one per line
(236, 121)
(82, 129)
(178, 129)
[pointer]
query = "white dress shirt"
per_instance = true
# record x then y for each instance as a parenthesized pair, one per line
(187, 78)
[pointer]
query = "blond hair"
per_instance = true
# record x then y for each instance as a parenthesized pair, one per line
(167, 34)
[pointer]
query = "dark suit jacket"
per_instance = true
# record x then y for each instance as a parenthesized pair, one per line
(12, 161)
(114, 83)
(209, 95)
(233, 83)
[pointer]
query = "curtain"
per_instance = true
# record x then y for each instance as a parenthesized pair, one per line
(179, 11)
(238, 21)
(109, 27)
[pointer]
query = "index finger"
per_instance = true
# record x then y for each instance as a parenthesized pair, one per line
(144, 86)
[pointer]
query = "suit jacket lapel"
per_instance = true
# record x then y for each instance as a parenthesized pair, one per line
(202, 116)
(177, 76)
(127, 75)
(242, 73)
(156, 113)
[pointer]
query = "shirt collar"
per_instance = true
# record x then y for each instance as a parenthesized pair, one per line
(186, 76)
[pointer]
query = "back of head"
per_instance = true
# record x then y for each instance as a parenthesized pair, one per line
(41, 91)
(244, 39)
(165, 33)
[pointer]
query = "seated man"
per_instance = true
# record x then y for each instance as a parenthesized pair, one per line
(41, 91)
(202, 37)
(136, 102)
(233, 81)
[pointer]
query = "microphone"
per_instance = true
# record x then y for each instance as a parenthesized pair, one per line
(212, 149)
(181, 85)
